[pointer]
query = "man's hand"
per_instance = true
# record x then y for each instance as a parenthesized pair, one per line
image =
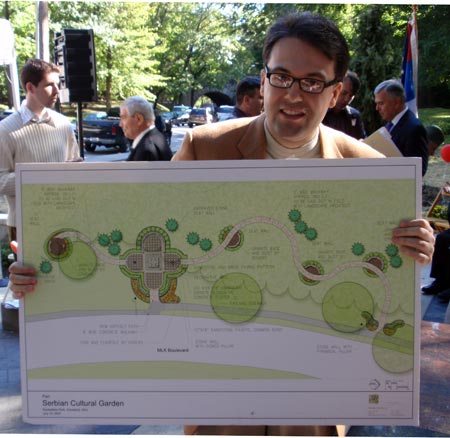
(22, 279)
(415, 239)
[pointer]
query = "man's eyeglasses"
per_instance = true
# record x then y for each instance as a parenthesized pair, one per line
(308, 85)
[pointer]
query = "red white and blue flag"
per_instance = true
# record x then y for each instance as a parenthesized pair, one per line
(409, 66)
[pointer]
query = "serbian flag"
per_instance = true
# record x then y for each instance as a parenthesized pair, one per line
(409, 65)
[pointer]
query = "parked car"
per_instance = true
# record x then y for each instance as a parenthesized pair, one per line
(97, 116)
(225, 112)
(6, 113)
(183, 119)
(179, 110)
(200, 116)
(101, 130)
(181, 114)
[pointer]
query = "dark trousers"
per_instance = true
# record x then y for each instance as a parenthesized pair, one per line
(262, 430)
(440, 265)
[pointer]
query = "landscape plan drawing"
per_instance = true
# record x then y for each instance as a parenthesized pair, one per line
(219, 292)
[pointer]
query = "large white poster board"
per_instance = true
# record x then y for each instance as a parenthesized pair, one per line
(243, 292)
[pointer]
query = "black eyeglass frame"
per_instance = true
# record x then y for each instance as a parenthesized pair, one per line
(325, 84)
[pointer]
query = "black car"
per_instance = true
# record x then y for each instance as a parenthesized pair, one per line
(104, 131)
(6, 113)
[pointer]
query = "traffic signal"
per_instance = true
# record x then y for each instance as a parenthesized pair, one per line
(75, 56)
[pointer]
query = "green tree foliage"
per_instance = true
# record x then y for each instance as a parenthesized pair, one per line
(21, 15)
(376, 58)
(200, 47)
(434, 59)
(169, 51)
(377, 46)
(256, 18)
(124, 45)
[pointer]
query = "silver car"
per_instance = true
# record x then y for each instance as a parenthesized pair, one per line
(200, 116)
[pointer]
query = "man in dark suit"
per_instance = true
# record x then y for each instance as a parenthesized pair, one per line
(249, 101)
(342, 116)
(137, 119)
(440, 266)
(407, 132)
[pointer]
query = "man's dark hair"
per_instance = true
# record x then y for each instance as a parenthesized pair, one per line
(34, 71)
(247, 87)
(354, 79)
(314, 30)
(435, 134)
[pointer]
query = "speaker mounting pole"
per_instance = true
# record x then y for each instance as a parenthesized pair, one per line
(75, 56)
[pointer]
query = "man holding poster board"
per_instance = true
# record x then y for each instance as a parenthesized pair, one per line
(297, 92)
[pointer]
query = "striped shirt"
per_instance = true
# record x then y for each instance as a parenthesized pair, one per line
(48, 140)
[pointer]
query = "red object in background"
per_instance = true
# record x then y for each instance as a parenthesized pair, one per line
(445, 153)
(13, 246)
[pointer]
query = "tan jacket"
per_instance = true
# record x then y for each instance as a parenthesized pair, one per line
(244, 138)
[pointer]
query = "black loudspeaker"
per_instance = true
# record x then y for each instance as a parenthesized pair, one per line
(75, 56)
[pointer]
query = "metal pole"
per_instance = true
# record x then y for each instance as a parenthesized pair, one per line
(8, 59)
(416, 56)
(42, 31)
(15, 84)
(80, 127)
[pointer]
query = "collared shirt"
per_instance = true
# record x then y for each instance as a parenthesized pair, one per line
(29, 116)
(26, 138)
(237, 112)
(141, 135)
(395, 120)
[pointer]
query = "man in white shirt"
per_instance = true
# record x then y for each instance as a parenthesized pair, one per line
(35, 133)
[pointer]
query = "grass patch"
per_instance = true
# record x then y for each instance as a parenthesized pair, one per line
(70, 109)
(439, 117)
